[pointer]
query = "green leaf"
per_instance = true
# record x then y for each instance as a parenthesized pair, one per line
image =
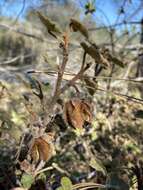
(66, 183)
(97, 165)
(27, 180)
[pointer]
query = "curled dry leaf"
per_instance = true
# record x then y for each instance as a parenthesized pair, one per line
(77, 26)
(50, 25)
(111, 58)
(95, 54)
(42, 148)
(77, 112)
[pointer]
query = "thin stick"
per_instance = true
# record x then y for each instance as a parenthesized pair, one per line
(115, 25)
(80, 185)
(60, 75)
(19, 149)
(64, 46)
(44, 170)
(131, 98)
(137, 100)
(83, 61)
(60, 169)
(75, 78)
(52, 73)
(20, 12)
(20, 32)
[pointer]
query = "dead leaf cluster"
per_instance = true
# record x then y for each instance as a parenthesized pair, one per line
(42, 148)
(77, 112)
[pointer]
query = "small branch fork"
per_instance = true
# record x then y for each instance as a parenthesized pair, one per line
(84, 67)
(64, 46)
(61, 71)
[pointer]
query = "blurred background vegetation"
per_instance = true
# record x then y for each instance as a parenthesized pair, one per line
(110, 152)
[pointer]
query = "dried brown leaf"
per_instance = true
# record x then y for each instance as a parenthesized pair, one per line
(42, 148)
(95, 54)
(111, 58)
(77, 26)
(87, 110)
(73, 115)
(50, 25)
(76, 112)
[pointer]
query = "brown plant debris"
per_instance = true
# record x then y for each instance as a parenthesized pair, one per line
(95, 54)
(77, 112)
(76, 26)
(111, 58)
(42, 148)
(50, 25)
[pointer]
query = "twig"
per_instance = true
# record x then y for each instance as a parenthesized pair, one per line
(52, 73)
(128, 70)
(137, 100)
(20, 32)
(115, 25)
(112, 68)
(19, 149)
(113, 64)
(131, 98)
(20, 12)
(40, 93)
(122, 7)
(64, 46)
(60, 169)
(75, 78)
(14, 59)
(91, 185)
(60, 75)
(83, 61)
(44, 170)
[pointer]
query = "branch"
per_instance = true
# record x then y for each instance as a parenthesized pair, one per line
(20, 12)
(128, 70)
(137, 100)
(52, 73)
(44, 170)
(14, 59)
(20, 32)
(131, 98)
(78, 75)
(75, 78)
(115, 25)
(19, 149)
(60, 74)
